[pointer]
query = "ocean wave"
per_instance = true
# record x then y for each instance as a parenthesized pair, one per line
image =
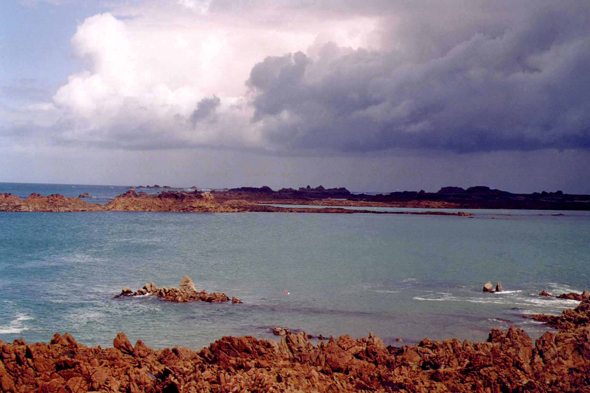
(442, 298)
(16, 326)
(507, 292)
(558, 288)
(511, 298)
(386, 291)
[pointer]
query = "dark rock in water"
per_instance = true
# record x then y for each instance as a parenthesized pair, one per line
(488, 287)
(544, 293)
(499, 286)
(125, 292)
(277, 331)
(186, 293)
(573, 296)
(235, 300)
(84, 195)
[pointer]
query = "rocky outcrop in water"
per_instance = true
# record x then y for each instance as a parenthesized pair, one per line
(185, 293)
(568, 296)
(575, 296)
(167, 202)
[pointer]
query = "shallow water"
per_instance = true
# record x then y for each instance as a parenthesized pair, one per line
(396, 276)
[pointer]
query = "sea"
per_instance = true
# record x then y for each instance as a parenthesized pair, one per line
(404, 277)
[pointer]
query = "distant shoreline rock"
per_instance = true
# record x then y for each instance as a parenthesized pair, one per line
(52, 203)
(174, 201)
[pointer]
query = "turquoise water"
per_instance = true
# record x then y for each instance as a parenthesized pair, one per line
(396, 276)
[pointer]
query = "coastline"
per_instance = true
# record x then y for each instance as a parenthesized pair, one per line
(265, 199)
(173, 201)
(507, 361)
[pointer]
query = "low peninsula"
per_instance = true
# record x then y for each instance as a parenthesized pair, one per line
(171, 201)
(289, 200)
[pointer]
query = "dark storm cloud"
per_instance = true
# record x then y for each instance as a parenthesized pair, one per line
(516, 80)
(205, 109)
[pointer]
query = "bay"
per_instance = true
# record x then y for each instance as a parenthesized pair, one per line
(396, 276)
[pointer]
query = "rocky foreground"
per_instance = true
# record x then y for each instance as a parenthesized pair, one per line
(507, 362)
(168, 201)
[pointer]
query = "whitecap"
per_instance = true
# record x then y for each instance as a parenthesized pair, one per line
(507, 292)
(562, 288)
(444, 297)
(15, 326)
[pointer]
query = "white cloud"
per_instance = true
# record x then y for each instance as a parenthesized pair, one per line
(144, 76)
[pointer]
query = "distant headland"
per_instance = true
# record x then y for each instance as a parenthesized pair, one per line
(289, 200)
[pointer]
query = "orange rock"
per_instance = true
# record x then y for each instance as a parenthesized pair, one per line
(507, 361)
(121, 342)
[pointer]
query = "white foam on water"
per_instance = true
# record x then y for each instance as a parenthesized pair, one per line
(82, 317)
(498, 320)
(15, 326)
(386, 291)
(430, 300)
(507, 292)
(558, 288)
(442, 297)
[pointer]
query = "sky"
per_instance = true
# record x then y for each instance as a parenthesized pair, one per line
(372, 95)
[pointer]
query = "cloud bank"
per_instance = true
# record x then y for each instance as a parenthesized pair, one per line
(337, 77)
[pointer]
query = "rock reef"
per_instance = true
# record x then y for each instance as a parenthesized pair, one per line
(507, 362)
(185, 293)
(40, 203)
(568, 296)
(478, 197)
(168, 201)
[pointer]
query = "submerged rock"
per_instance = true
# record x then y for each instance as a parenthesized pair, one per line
(186, 293)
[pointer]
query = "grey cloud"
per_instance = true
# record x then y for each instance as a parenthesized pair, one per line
(515, 84)
(205, 109)
(26, 90)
